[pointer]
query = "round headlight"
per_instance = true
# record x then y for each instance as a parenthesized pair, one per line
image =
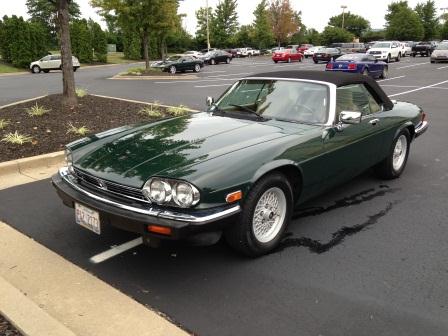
(157, 191)
(185, 195)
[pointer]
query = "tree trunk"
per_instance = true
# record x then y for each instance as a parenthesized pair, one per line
(68, 78)
(146, 47)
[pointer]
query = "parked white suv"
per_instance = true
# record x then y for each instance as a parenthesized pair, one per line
(406, 49)
(51, 62)
(386, 51)
(247, 52)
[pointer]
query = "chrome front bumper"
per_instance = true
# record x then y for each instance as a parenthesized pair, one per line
(421, 128)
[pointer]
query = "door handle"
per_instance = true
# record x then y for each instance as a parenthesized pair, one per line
(373, 122)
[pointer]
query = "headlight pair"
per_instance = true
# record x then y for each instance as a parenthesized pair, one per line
(164, 191)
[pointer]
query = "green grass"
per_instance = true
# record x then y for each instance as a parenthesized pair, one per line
(118, 58)
(6, 68)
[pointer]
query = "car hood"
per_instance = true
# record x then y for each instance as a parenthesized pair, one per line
(133, 156)
(161, 63)
(379, 49)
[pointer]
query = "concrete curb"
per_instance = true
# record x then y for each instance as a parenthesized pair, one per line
(187, 77)
(14, 73)
(22, 101)
(34, 162)
(26, 316)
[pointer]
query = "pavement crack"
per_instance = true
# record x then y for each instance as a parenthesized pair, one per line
(338, 237)
(358, 198)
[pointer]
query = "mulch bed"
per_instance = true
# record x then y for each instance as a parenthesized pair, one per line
(50, 131)
(6, 329)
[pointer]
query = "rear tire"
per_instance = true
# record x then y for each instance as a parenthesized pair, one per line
(212, 61)
(393, 165)
(228, 60)
(197, 68)
(365, 72)
(316, 61)
(276, 62)
(384, 73)
(267, 211)
(46, 71)
(75, 68)
(289, 60)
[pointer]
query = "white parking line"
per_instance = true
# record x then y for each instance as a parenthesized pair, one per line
(419, 89)
(212, 85)
(410, 66)
(207, 72)
(116, 250)
(199, 81)
(388, 79)
(236, 74)
(446, 66)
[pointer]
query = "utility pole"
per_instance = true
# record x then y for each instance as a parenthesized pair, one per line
(344, 7)
(208, 28)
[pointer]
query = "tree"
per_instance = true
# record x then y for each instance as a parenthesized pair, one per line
(283, 20)
(427, 13)
(263, 35)
(225, 22)
(98, 41)
(81, 41)
(201, 28)
(43, 11)
(444, 31)
(335, 34)
(312, 36)
(355, 24)
(402, 23)
(146, 18)
(373, 35)
(68, 77)
(22, 42)
(244, 37)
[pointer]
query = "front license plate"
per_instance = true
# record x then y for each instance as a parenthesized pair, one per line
(88, 218)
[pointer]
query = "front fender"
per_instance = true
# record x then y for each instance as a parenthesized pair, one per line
(273, 165)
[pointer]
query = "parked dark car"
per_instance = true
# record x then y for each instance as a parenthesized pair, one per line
(180, 63)
(350, 47)
(232, 52)
(423, 49)
(271, 142)
(359, 63)
(326, 55)
(216, 57)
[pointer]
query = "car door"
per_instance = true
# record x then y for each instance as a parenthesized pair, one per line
(55, 62)
(294, 55)
(189, 63)
(45, 62)
(355, 147)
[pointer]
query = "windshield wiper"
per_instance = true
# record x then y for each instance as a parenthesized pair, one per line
(245, 108)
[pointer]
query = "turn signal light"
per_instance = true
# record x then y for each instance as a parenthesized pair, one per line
(235, 196)
(166, 231)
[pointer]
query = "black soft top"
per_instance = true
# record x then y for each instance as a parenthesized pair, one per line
(336, 78)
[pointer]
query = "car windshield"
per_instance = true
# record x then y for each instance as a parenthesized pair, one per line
(209, 54)
(351, 57)
(443, 46)
(174, 58)
(295, 101)
(381, 45)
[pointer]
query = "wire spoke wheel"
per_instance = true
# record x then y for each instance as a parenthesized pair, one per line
(399, 154)
(269, 215)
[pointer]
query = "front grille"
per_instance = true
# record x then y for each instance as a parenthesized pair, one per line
(107, 187)
(374, 52)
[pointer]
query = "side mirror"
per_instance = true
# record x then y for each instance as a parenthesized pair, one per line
(210, 101)
(350, 117)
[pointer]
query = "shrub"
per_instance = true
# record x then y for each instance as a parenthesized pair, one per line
(4, 123)
(83, 130)
(36, 111)
(16, 138)
(152, 111)
(178, 111)
(80, 92)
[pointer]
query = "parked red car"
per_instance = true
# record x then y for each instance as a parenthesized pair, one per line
(287, 55)
(304, 47)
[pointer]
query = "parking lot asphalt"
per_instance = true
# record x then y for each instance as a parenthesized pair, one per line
(368, 258)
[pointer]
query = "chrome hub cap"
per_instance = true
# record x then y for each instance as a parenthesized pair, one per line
(269, 215)
(399, 152)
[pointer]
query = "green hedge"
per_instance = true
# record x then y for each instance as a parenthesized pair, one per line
(22, 42)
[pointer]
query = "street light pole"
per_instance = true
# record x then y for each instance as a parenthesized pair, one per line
(343, 15)
(208, 29)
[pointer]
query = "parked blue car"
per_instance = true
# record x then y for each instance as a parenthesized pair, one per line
(359, 63)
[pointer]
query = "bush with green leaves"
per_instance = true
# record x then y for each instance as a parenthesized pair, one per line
(152, 111)
(16, 138)
(82, 131)
(80, 92)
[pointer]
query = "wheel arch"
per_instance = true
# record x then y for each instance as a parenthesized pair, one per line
(409, 126)
(288, 168)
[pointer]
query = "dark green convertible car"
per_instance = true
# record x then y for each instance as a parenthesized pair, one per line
(180, 63)
(270, 142)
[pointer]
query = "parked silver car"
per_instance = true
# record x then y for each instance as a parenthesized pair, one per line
(440, 53)
(51, 62)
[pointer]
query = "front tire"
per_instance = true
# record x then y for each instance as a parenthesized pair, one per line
(289, 60)
(397, 59)
(393, 165)
(267, 211)
(212, 61)
(197, 68)
(227, 60)
(172, 69)
(388, 59)
(35, 69)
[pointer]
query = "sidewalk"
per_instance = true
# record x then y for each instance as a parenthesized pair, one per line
(43, 294)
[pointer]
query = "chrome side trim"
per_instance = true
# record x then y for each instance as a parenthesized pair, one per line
(65, 175)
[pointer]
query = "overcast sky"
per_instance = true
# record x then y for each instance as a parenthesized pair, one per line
(315, 14)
